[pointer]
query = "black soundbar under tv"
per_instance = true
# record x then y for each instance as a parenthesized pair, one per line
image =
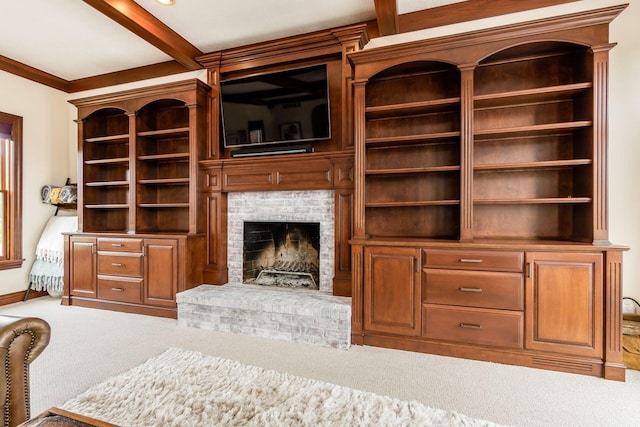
(272, 151)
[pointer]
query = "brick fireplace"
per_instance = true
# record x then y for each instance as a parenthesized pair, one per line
(298, 315)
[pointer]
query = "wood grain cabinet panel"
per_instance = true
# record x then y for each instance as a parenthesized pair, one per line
(564, 303)
(392, 290)
(161, 272)
(119, 245)
(473, 325)
(82, 266)
(120, 289)
(313, 178)
(474, 289)
(244, 180)
(123, 264)
(476, 260)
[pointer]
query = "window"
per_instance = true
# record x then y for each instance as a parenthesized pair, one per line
(10, 191)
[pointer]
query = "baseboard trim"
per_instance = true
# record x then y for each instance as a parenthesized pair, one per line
(19, 296)
(531, 359)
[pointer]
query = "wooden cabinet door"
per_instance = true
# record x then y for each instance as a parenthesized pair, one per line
(160, 272)
(392, 290)
(564, 303)
(82, 262)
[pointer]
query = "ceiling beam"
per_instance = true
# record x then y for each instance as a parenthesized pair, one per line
(466, 11)
(387, 17)
(136, 19)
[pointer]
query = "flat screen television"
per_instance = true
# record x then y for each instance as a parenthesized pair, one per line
(290, 106)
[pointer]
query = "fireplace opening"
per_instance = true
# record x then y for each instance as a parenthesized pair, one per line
(284, 254)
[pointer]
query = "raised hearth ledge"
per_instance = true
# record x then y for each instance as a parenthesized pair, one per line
(295, 315)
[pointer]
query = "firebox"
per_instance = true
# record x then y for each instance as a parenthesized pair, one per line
(284, 254)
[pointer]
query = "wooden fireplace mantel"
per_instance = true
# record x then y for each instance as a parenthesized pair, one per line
(313, 171)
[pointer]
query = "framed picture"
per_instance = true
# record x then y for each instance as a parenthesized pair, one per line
(290, 131)
(236, 137)
(256, 131)
(255, 136)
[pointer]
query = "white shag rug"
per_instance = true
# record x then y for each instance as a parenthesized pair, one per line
(184, 388)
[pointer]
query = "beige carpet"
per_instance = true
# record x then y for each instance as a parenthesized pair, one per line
(186, 388)
(87, 346)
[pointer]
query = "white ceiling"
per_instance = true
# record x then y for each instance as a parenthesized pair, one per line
(71, 40)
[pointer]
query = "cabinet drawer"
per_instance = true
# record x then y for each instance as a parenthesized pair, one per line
(475, 260)
(120, 265)
(125, 290)
(474, 289)
(473, 325)
(120, 245)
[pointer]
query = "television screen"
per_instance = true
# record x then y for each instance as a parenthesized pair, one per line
(283, 106)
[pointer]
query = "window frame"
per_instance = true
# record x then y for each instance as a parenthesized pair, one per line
(11, 180)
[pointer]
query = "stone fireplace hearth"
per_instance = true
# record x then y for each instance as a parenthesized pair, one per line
(297, 315)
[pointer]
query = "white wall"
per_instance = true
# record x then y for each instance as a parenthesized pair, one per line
(45, 161)
(624, 143)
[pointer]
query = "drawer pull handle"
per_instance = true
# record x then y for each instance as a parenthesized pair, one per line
(471, 260)
(117, 264)
(463, 289)
(117, 245)
(470, 326)
(117, 289)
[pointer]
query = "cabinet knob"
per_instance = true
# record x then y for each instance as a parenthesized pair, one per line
(117, 245)
(117, 264)
(117, 289)
(471, 260)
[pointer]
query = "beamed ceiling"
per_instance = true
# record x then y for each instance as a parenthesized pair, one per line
(75, 45)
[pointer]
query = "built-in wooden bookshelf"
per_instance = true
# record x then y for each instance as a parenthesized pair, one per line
(412, 172)
(141, 214)
(139, 154)
(480, 208)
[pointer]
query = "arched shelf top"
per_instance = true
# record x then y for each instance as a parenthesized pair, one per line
(532, 49)
(588, 29)
(162, 103)
(189, 92)
(414, 67)
(103, 112)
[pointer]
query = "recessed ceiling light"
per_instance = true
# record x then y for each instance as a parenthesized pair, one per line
(166, 2)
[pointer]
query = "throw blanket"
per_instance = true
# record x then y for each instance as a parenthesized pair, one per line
(47, 272)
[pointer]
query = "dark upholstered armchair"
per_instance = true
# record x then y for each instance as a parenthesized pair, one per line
(22, 339)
